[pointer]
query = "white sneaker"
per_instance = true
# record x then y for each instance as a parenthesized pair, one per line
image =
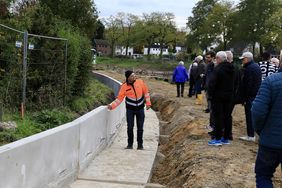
(248, 138)
(209, 127)
(252, 139)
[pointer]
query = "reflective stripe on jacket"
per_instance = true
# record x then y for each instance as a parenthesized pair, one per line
(136, 94)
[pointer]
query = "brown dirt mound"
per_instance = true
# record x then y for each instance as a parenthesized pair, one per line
(190, 162)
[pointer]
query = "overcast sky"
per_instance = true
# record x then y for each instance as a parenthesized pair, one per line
(182, 9)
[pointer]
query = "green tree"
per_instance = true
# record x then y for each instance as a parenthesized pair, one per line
(273, 35)
(100, 31)
(200, 34)
(80, 13)
(156, 27)
(219, 22)
(4, 5)
(252, 19)
(46, 86)
(113, 32)
(167, 30)
(127, 22)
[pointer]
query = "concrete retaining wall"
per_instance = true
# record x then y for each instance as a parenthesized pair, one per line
(53, 158)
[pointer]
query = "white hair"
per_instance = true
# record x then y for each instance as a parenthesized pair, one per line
(199, 58)
(275, 61)
(247, 55)
(229, 56)
(221, 55)
(181, 63)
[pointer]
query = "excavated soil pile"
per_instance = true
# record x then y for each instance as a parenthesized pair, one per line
(187, 160)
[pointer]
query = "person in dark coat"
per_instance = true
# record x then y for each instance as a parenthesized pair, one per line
(200, 74)
(210, 64)
(236, 91)
(199, 79)
(180, 76)
(267, 122)
(220, 92)
(192, 78)
(251, 82)
(210, 58)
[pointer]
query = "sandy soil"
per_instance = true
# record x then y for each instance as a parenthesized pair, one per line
(187, 159)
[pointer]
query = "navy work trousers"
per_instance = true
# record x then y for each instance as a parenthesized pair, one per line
(140, 117)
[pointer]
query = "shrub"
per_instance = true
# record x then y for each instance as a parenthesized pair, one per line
(48, 119)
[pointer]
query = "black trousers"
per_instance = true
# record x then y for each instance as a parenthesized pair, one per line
(191, 88)
(140, 117)
(180, 88)
(222, 118)
(212, 121)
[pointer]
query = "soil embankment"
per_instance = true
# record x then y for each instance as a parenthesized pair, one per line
(187, 160)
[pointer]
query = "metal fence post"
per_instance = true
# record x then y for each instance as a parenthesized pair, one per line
(24, 73)
(66, 64)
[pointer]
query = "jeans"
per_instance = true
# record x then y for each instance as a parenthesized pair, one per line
(267, 161)
(180, 88)
(140, 117)
(250, 129)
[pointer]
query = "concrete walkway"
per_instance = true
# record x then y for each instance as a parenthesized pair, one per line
(116, 167)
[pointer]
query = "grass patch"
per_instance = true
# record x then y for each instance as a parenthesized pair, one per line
(136, 64)
(97, 94)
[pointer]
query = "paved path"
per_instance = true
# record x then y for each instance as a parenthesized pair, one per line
(116, 167)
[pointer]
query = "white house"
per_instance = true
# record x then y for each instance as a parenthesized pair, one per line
(179, 49)
(156, 50)
(121, 50)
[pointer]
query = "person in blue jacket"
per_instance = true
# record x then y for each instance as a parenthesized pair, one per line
(267, 122)
(180, 76)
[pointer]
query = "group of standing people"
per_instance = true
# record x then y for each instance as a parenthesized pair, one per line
(257, 86)
(195, 76)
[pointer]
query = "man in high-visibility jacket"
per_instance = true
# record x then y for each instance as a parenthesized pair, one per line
(136, 96)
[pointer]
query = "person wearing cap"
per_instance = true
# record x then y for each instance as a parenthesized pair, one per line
(266, 66)
(267, 122)
(220, 92)
(180, 76)
(199, 79)
(136, 95)
(251, 82)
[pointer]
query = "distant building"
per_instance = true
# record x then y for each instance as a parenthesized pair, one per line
(180, 48)
(102, 47)
(121, 50)
(156, 50)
